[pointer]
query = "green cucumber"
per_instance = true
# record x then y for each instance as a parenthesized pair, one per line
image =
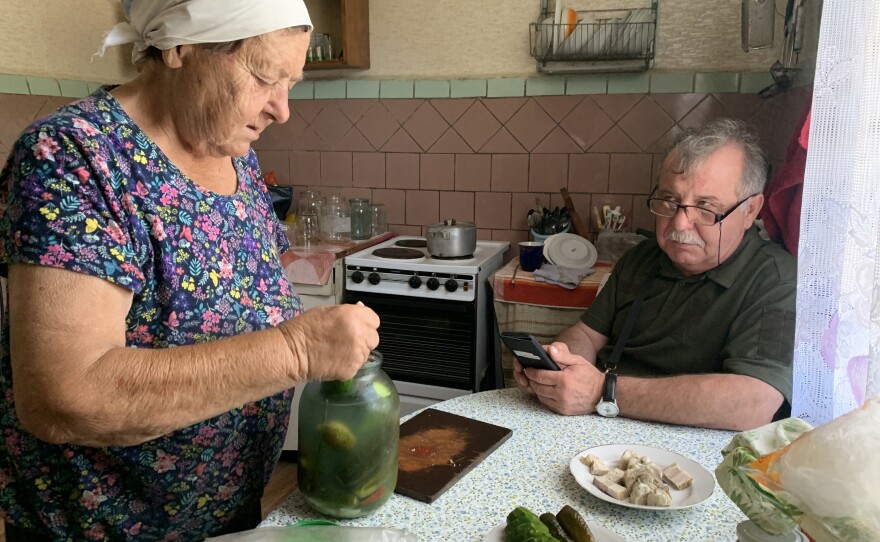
(574, 525)
(554, 527)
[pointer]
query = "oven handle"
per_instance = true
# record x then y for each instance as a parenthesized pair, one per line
(416, 303)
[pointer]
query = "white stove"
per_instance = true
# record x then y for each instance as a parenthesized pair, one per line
(437, 319)
(402, 266)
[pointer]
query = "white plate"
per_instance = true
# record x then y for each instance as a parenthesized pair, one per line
(600, 534)
(570, 250)
(547, 242)
(700, 490)
(557, 18)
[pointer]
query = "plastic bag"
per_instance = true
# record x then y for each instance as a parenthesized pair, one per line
(827, 480)
(319, 533)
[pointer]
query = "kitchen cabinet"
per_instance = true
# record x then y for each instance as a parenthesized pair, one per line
(348, 24)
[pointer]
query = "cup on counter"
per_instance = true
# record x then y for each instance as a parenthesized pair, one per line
(531, 254)
(379, 217)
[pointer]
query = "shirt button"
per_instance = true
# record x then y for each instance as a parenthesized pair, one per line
(681, 283)
(670, 304)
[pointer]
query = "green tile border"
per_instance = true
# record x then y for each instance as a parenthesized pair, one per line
(629, 83)
(716, 82)
(545, 86)
(467, 88)
(13, 84)
(586, 84)
(327, 90)
(304, 90)
(667, 83)
(539, 85)
(396, 88)
(510, 87)
(43, 86)
(362, 89)
(431, 89)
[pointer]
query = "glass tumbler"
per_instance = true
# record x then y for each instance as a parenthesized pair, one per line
(336, 220)
(379, 219)
(361, 222)
(307, 229)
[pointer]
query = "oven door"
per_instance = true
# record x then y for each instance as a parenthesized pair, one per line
(425, 341)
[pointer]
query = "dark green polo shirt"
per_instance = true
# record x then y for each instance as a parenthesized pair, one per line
(736, 318)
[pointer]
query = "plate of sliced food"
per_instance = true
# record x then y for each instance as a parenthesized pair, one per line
(642, 477)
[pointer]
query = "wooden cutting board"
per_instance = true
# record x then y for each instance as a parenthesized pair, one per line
(437, 448)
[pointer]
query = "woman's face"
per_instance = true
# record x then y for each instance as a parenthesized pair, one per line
(233, 97)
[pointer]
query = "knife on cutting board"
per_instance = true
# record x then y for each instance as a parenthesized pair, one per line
(579, 227)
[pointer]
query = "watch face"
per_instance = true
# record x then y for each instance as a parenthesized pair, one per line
(607, 409)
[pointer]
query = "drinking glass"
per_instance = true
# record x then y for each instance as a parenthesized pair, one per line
(379, 219)
(307, 229)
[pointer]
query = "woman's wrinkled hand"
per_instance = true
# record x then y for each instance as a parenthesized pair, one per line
(331, 342)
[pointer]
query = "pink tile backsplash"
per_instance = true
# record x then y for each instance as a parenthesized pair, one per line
(484, 159)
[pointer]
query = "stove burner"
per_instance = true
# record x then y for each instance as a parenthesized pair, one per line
(395, 253)
(412, 243)
(453, 258)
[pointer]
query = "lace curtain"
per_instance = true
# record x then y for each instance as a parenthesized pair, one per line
(837, 357)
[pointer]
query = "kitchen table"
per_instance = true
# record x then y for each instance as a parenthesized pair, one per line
(532, 469)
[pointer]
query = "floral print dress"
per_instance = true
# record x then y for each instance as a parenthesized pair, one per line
(86, 190)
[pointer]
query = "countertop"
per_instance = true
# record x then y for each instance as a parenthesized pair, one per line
(532, 469)
(312, 264)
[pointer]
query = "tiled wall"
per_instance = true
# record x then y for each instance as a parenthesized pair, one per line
(483, 159)
(487, 159)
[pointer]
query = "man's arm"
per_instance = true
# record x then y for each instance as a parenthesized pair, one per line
(75, 381)
(721, 401)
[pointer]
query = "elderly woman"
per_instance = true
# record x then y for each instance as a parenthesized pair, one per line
(134, 221)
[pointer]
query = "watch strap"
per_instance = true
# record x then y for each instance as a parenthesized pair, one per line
(609, 391)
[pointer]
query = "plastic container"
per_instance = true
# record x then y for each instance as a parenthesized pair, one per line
(748, 531)
(348, 435)
(361, 218)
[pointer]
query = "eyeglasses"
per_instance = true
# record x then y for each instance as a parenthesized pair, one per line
(701, 216)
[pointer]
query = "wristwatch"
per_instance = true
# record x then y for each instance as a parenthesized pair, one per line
(607, 406)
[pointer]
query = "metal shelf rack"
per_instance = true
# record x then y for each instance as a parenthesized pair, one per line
(608, 40)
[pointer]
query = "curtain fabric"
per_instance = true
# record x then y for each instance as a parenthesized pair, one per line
(837, 356)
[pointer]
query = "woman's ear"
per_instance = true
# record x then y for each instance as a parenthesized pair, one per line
(173, 58)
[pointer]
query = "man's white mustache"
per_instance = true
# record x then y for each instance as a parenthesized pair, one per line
(685, 238)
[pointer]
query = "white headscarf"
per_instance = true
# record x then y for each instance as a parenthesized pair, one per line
(168, 23)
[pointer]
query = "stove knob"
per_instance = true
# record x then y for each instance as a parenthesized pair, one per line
(373, 278)
(451, 285)
(415, 281)
(357, 277)
(433, 283)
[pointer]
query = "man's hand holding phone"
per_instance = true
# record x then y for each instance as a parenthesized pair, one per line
(528, 351)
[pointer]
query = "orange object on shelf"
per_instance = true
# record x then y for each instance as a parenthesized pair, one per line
(514, 285)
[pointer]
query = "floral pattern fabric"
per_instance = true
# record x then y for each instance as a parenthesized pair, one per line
(86, 190)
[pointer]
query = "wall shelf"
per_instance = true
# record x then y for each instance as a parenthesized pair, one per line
(567, 41)
(350, 26)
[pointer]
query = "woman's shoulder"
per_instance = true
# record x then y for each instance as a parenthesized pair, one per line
(91, 117)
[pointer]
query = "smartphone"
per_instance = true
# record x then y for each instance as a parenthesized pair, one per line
(528, 351)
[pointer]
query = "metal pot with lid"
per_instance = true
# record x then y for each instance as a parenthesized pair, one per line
(451, 239)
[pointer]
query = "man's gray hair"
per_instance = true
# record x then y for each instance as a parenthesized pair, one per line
(692, 148)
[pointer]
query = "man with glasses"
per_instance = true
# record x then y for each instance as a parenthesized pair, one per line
(710, 340)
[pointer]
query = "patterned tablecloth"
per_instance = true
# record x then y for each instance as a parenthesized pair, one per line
(532, 469)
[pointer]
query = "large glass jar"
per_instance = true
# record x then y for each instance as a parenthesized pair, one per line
(348, 434)
(336, 220)
(361, 222)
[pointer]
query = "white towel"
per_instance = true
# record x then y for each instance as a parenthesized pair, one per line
(567, 277)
